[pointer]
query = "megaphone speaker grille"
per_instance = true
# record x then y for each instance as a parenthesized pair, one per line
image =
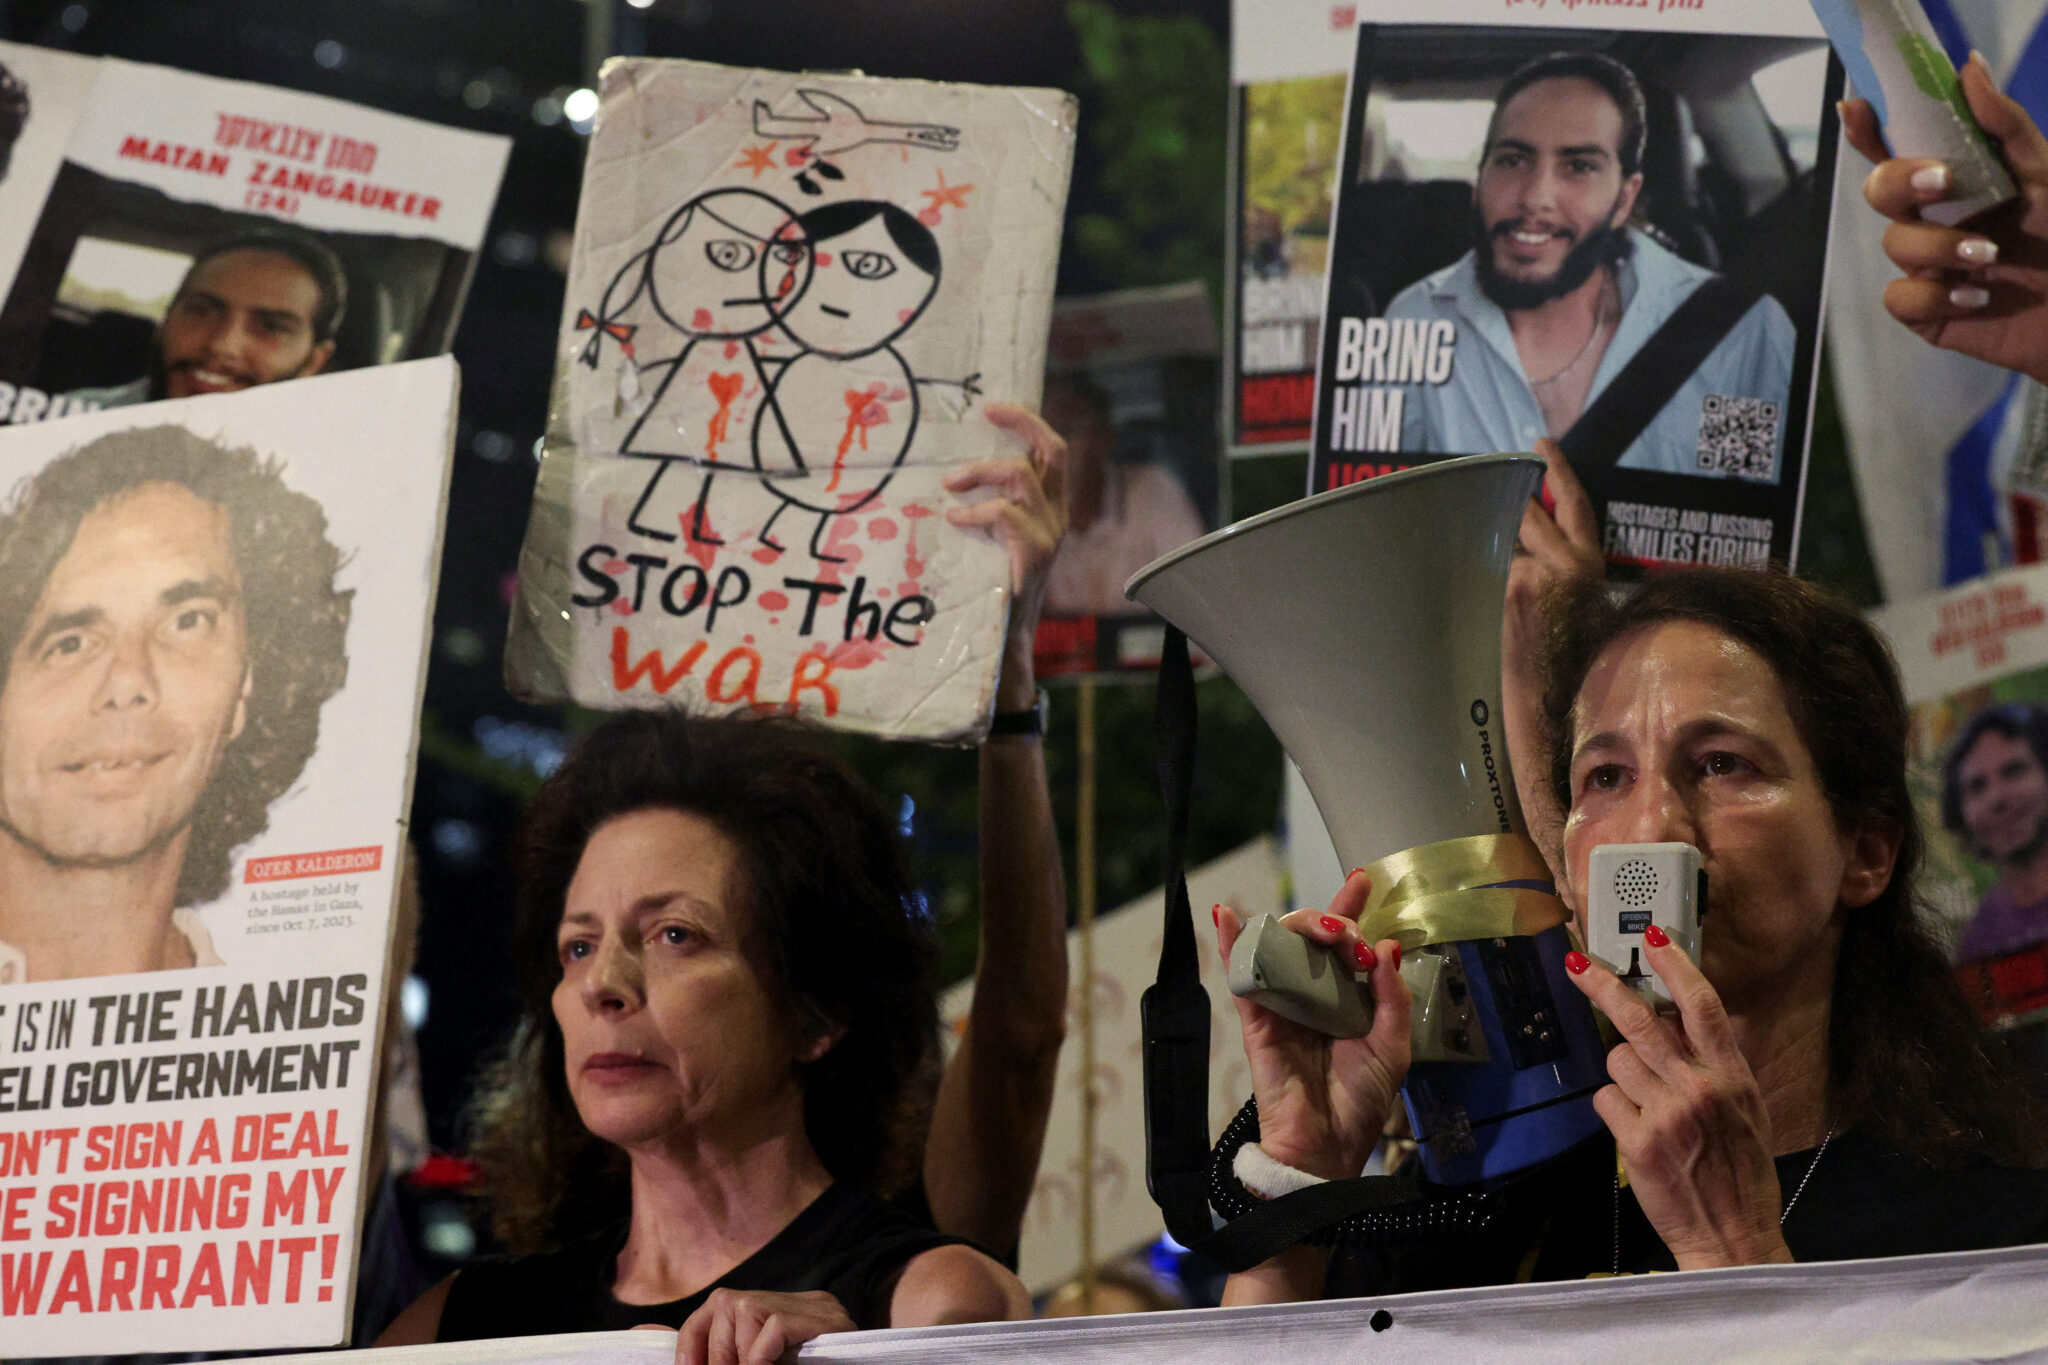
(1636, 882)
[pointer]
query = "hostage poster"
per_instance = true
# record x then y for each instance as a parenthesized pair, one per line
(1974, 660)
(1288, 62)
(1605, 226)
(789, 298)
(190, 235)
(213, 621)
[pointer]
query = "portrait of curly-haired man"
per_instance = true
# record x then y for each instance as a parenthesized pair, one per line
(169, 630)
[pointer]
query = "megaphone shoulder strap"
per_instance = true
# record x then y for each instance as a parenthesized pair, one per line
(1181, 1171)
(1174, 1011)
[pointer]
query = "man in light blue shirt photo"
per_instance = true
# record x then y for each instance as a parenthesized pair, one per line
(1561, 290)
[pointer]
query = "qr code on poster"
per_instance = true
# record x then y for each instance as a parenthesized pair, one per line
(1739, 436)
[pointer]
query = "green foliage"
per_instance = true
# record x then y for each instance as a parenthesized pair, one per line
(1155, 101)
(1290, 149)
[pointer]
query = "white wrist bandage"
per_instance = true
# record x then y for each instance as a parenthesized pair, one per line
(1267, 1178)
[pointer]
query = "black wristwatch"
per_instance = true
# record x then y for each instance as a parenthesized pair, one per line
(1030, 721)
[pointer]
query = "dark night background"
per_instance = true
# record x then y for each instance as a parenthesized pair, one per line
(1148, 207)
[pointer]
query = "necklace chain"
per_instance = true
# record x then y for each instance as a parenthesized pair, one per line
(1811, 1166)
(1818, 1153)
(1599, 322)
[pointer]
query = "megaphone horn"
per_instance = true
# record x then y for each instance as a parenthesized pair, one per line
(1364, 624)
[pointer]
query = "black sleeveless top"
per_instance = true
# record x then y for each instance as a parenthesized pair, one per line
(848, 1243)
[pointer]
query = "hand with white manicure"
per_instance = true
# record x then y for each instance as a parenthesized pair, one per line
(1981, 289)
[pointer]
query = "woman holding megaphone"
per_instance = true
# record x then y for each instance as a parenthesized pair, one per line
(1818, 1089)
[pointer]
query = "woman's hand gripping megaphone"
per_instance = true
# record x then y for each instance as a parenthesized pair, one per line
(1323, 1100)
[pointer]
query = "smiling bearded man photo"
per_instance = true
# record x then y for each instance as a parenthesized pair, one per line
(1562, 288)
(252, 309)
(170, 629)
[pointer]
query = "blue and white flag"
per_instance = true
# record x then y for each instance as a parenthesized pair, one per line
(1950, 454)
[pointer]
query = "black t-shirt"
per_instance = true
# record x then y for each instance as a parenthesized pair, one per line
(848, 1243)
(1862, 1200)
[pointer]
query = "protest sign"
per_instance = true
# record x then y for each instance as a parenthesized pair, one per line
(213, 616)
(1599, 224)
(42, 96)
(1974, 660)
(1130, 387)
(196, 235)
(788, 298)
(1288, 61)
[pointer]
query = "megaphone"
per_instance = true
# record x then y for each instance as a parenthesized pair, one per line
(1364, 624)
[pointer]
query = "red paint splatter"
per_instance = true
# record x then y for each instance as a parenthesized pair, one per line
(915, 510)
(773, 601)
(701, 319)
(881, 528)
(701, 551)
(622, 607)
(732, 350)
(865, 408)
(855, 654)
(881, 592)
(615, 566)
(764, 555)
(929, 217)
(908, 588)
(824, 260)
(905, 314)
(797, 156)
(725, 388)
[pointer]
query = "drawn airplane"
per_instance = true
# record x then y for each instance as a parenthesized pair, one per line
(840, 127)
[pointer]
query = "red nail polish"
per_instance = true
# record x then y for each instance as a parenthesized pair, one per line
(1656, 937)
(1397, 957)
(1576, 963)
(1364, 956)
(1216, 916)
(1332, 925)
(1357, 872)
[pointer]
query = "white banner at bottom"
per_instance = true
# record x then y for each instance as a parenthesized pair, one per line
(1978, 1305)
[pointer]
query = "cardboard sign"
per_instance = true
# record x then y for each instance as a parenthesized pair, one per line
(180, 234)
(788, 299)
(214, 617)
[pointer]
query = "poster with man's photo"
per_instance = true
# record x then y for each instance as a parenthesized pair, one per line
(43, 94)
(200, 235)
(790, 299)
(1603, 226)
(1974, 660)
(214, 616)
(1288, 136)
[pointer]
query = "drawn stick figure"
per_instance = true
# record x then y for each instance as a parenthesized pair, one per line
(718, 274)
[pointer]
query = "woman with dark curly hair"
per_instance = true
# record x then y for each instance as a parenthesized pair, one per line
(1820, 1090)
(729, 1023)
